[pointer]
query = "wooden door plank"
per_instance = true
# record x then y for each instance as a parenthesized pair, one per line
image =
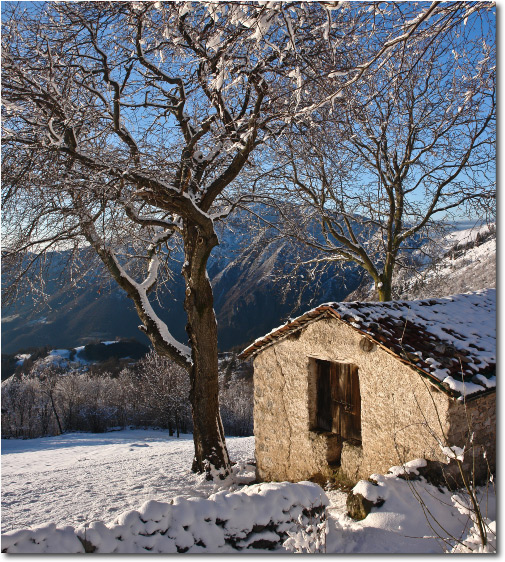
(346, 390)
(355, 403)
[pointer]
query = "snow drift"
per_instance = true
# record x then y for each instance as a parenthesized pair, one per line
(257, 517)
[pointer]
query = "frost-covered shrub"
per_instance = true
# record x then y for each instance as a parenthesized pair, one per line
(53, 401)
(154, 392)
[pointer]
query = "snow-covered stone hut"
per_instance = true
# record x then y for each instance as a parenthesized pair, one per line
(365, 385)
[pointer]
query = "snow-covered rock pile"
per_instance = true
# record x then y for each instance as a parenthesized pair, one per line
(409, 507)
(256, 517)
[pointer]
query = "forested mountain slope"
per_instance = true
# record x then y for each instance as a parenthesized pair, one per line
(255, 288)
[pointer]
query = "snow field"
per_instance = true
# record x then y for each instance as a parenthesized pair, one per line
(75, 479)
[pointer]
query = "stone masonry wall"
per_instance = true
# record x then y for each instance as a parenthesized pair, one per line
(477, 417)
(400, 410)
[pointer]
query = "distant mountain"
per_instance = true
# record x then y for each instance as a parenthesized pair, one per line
(465, 261)
(255, 289)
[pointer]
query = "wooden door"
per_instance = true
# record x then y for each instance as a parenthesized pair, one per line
(338, 399)
(346, 400)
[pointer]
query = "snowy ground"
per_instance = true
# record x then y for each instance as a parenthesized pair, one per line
(81, 477)
(77, 478)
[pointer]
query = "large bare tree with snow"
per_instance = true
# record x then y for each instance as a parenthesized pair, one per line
(129, 130)
(127, 126)
(400, 150)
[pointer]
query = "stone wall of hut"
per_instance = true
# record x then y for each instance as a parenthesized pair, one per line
(473, 424)
(402, 414)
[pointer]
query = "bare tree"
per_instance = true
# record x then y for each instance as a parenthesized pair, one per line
(120, 132)
(126, 127)
(399, 151)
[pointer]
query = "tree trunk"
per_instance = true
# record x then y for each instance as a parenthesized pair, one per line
(211, 455)
(385, 285)
(56, 414)
(384, 288)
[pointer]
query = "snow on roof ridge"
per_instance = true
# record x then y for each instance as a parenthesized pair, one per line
(453, 338)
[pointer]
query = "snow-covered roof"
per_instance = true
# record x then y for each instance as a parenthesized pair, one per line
(452, 340)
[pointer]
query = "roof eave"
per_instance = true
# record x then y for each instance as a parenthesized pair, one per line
(328, 312)
(288, 329)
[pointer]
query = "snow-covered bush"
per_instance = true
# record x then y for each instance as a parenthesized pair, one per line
(256, 517)
(151, 393)
(473, 543)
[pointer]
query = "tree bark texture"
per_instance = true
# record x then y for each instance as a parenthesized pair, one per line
(211, 454)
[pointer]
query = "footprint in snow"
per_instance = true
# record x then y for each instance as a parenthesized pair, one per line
(138, 445)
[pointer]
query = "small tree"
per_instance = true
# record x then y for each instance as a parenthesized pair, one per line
(49, 379)
(410, 143)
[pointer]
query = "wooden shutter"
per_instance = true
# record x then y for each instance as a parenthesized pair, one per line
(346, 402)
(338, 406)
(324, 414)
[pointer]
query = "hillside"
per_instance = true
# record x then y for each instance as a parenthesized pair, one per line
(466, 262)
(254, 289)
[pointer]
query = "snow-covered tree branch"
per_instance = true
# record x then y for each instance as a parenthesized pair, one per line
(412, 143)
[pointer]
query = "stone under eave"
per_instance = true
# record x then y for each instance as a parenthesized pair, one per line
(328, 312)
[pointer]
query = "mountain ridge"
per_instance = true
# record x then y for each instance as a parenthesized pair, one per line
(256, 286)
